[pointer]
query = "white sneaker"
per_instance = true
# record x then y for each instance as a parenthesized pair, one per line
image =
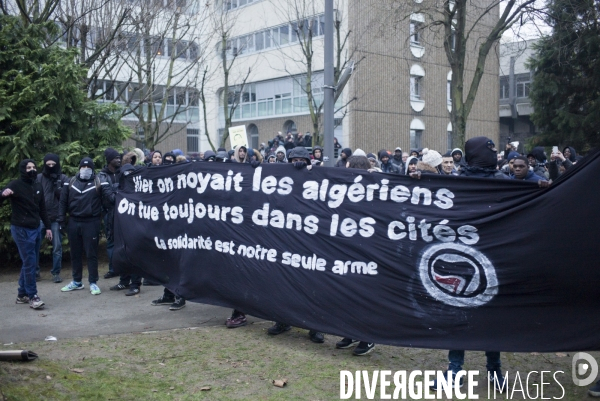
(35, 302)
(94, 289)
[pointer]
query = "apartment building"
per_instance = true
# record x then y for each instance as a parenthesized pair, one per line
(515, 79)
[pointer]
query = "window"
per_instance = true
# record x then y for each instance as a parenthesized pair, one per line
(415, 33)
(253, 131)
(504, 88)
(276, 36)
(416, 87)
(449, 132)
(523, 83)
(449, 90)
(415, 139)
(193, 140)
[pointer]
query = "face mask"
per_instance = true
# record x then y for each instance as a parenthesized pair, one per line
(32, 173)
(85, 173)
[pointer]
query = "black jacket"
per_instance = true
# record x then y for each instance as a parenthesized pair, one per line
(84, 199)
(52, 188)
(28, 205)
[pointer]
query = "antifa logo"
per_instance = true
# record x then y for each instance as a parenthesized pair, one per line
(458, 275)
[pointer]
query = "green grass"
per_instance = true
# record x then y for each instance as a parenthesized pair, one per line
(236, 364)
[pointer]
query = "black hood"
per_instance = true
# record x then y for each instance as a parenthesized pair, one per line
(171, 155)
(299, 152)
(209, 154)
(539, 154)
(479, 154)
(55, 171)
(573, 157)
(313, 152)
(22, 170)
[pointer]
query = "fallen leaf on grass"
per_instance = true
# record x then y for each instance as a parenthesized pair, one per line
(161, 364)
(154, 391)
(280, 383)
(561, 355)
(534, 353)
(171, 388)
(48, 378)
(77, 370)
(205, 388)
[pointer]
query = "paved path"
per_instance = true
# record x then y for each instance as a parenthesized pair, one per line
(80, 314)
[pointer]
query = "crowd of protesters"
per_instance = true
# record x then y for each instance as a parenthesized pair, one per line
(41, 203)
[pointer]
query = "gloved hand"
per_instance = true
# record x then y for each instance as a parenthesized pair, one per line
(255, 163)
(300, 165)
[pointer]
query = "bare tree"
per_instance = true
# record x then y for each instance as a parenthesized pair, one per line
(142, 54)
(154, 67)
(307, 22)
(463, 28)
(224, 21)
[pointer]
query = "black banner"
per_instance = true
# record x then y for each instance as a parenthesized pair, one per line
(441, 262)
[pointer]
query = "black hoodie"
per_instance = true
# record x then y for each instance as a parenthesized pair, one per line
(27, 200)
(52, 181)
(573, 157)
(481, 159)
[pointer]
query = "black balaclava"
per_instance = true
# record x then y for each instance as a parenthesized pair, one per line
(53, 172)
(25, 176)
(478, 152)
(171, 155)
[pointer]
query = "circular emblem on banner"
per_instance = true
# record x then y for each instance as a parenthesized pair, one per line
(458, 275)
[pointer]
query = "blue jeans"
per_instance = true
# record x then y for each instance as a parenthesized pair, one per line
(28, 242)
(457, 360)
(56, 247)
(110, 246)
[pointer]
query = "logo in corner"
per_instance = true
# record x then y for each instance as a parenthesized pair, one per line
(458, 275)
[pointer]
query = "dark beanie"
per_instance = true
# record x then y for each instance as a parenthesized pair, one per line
(519, 157)
(110, 154)
(86, 161)
(347, 152)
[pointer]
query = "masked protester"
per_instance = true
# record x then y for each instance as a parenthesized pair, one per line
(28, 208)
(110, 173)
(83, 198)
(169, 158)
(481, 158)
(51, 179)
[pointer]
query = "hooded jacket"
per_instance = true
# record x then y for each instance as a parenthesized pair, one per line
(83, 201)
(531, 176)
(388, 167)
(573, 156)
(209, 154)
(52, 180)
(281, 149)
(313, 153)
(342, 162)
(27, 200)
(540, 158)
(481, 160)
(408, 161)
(300, 152)
(236, 155)
(397, 161)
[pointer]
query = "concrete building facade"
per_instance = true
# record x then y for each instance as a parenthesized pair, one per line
(515, 78)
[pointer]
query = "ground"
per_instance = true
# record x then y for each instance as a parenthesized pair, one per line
(98, 358)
